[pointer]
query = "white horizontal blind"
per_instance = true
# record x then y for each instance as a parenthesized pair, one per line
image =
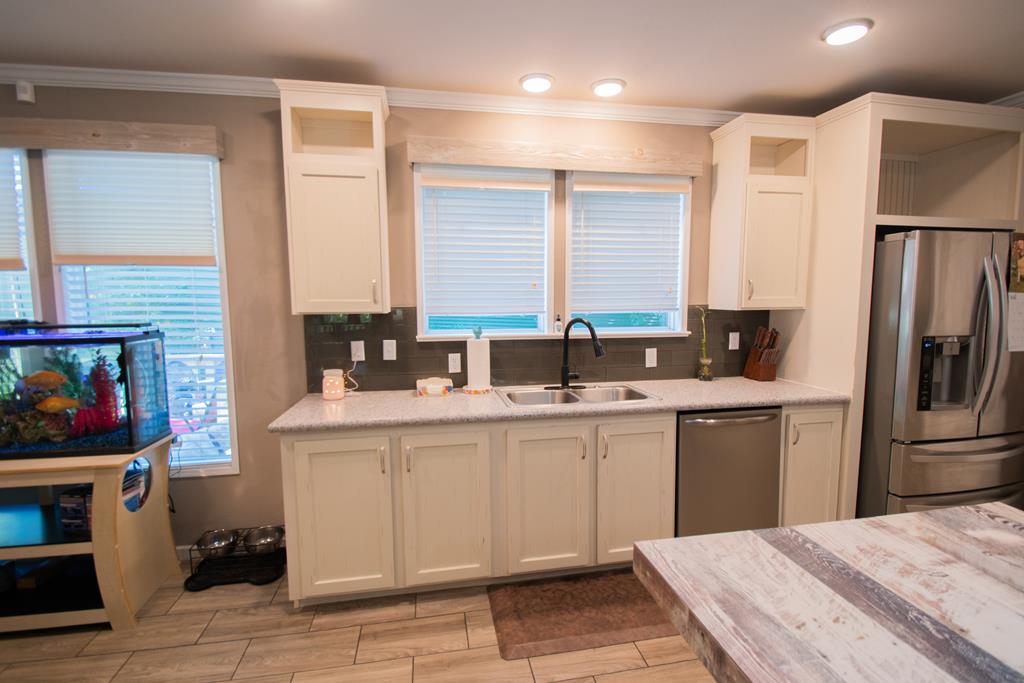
(626, 247)
(483, 240)
(15, 283)
(131, 208)
(183, 299)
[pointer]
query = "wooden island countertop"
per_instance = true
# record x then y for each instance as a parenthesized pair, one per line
(923, 596)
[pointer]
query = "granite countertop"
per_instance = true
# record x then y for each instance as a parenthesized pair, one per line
(400, 408)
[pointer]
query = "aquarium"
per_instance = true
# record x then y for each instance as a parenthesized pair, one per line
(81, 390)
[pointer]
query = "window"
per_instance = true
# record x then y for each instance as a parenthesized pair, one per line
(486, 239)
(136, 239)
(627, 247)
(483, 242)
(16, 302)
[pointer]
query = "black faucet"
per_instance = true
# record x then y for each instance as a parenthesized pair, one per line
(598, 349)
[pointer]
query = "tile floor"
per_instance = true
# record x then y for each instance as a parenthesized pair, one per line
(253, 633)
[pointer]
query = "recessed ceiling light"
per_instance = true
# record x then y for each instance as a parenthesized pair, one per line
(608, 87)
(536, 82)
(847, 32)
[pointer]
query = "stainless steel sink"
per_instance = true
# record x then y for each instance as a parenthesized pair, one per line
(537, 396)
(612, 393)
(540, 397)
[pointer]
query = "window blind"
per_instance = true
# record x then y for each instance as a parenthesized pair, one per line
(483, 243)
(625, 252)
(131, 208)
(12, 210)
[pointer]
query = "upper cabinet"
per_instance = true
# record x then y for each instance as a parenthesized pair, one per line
(336, 196)
(761, 213)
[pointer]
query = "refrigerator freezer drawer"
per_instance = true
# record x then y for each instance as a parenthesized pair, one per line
(1011, 495)
(935, 468)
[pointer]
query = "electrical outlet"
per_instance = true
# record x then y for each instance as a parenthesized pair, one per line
(358, 351)
(389, 349)
(454, 362)
(734, 341)
(651, 358)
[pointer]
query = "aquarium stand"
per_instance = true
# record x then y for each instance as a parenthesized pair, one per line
(114, 568)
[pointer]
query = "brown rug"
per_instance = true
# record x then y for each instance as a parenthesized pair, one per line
(548, 616)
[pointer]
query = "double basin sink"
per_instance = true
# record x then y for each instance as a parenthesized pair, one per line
(548, 396)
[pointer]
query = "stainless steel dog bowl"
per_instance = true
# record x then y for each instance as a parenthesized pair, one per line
(217, 543)
(263, 539)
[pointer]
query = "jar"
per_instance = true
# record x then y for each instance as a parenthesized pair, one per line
(334, 384)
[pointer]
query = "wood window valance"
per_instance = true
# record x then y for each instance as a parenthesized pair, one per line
(41, 133)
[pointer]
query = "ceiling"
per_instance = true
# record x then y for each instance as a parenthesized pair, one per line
(740, 55)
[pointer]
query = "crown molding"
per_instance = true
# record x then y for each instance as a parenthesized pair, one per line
(249, 86)
(1014, 100)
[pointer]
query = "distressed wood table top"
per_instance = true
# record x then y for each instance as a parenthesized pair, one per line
(924, 596)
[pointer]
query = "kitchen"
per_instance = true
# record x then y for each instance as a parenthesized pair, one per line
(768, 232)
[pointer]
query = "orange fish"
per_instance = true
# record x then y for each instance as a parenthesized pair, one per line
(45, 379)
(56, 404)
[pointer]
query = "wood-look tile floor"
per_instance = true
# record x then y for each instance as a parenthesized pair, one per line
(253, 633)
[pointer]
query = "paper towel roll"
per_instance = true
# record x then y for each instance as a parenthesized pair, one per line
(478, 363)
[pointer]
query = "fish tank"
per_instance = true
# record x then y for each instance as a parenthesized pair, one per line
(81, 389)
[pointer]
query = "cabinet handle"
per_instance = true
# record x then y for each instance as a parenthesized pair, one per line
(408, 458)
(605, 438)
(750, 289)
(583, 443)
(373, 289)
(383, 467)
(796, 434)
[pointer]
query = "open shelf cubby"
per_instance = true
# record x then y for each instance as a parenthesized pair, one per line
(778, 156)
(35, 526)
(69, 585)
(942, 171)
(332, 131)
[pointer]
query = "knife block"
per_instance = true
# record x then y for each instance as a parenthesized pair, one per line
(758, 367)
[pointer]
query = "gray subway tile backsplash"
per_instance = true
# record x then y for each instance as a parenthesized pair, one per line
(527, 361)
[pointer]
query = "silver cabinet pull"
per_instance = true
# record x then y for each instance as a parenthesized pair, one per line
(727, 421)
(605, 438)
(383, 466)
(373, 289)
(583, 443)
(750, 289)
(408, 458)
(796, 434)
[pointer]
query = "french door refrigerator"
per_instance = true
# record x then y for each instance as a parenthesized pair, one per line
(944, 402)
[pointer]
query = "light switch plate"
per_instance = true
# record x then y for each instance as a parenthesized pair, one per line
(734, 341)
(389, 349)
(651, 358)
(358, 351)
(454, 362)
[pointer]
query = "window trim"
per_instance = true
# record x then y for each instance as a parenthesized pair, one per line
(549, 275)
(684, 265)
(192, 471)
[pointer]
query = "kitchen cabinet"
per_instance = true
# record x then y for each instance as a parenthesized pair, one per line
(635, 485)
(811, 456)
(336, 196)
(446, 487)
(549, 492)
(342, 501)
(761, 213)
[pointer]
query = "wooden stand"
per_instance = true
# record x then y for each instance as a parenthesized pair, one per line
(133, 552)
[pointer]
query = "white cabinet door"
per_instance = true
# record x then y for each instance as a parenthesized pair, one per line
(776, 242)
(550, 484)
(635, 486)
(343, 503)
(810, 468)
(446, 488)
(335, 237)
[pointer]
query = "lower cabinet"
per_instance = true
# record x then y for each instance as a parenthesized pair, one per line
(811, 456)
(636, 478)
(343, 505)
(549, 493)
(446, 485)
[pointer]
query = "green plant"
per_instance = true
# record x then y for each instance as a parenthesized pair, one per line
(65, 361)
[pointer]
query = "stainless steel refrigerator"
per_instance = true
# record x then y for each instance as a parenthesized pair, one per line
(944, 403)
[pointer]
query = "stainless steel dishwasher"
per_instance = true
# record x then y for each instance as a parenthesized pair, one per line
(728, 471)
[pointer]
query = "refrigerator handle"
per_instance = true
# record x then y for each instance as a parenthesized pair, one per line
(995, 326)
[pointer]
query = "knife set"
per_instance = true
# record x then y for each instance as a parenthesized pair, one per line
(764, 356)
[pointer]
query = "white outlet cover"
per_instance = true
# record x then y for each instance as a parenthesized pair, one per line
(358, 351)
(734, 341)
(389, 349)
(454, 362)
(651, 358)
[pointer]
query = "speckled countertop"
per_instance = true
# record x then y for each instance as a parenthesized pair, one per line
(401, 408)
